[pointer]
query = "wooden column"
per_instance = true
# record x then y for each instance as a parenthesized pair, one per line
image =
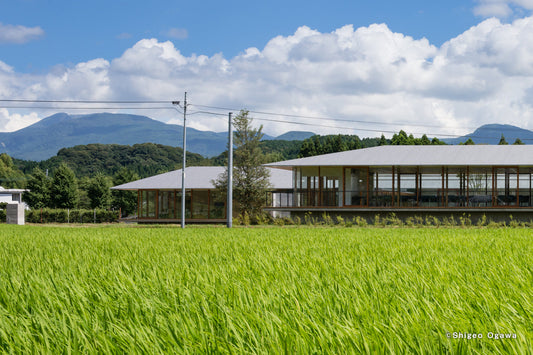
(442, 187)
(518, 186)
(467, 185)
(392, 197)
(367, 185)
(494, 185)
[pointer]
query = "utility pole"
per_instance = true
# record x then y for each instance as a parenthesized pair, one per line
(229, 204)
(184, 161)
(177, 103)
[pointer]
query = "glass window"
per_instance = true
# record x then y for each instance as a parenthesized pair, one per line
(151, 203)
(166, 204)
(308, 187)
(480, 187)
(430, 182)
(217, 205)
(381, 186)
(331, 183)
(506, 181)
(200, 204)
(148, 203)
(356, 185)
(187, 204)
(407, 189)
(143, 210)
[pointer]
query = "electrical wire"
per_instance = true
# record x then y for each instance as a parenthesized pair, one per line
(328, 118)
(90, 108)
(348, 128)
(90, 101)
(211, 113)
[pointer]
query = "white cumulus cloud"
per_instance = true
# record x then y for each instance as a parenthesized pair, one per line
(501, 8)
(19, 34)
(387, 79)
(10, 122)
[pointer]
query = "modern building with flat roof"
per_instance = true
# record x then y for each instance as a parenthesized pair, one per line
(491, 180)
(159, 196)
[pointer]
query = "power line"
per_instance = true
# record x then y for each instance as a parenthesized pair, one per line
(210, 113)
(90, 101)
(328, 118)
(356, 129)
(89, 108)
(349, 128)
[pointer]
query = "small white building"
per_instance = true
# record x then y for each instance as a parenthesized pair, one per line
(15, 206)
(12, 195)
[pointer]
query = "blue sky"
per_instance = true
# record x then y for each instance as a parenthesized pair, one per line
(76, 31)
(441, 67)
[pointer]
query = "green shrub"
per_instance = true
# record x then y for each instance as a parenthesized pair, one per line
(465, 220)
(392, 219)
(360, 221)
(327, 220)
(279, 221)
(48, 215)
(308, 219)
(263, 219)
(297, 220)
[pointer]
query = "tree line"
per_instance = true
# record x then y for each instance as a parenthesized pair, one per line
(64, 191)
(502, 141)
(317, 145)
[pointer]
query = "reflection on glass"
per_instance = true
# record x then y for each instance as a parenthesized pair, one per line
(217, 205)
(200, 204)
(166, 204)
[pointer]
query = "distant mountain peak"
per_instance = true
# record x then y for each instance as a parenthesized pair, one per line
(492, 132)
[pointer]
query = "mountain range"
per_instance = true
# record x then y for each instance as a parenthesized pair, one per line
(43, 139)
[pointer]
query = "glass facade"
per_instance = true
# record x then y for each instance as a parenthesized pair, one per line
(200, 205)
(147, 205)
(166, 204)
(410, 187)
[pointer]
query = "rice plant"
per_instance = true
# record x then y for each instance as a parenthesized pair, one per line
(265, 290)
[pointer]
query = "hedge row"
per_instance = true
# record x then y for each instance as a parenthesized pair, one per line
(2, 216)
(48, 215)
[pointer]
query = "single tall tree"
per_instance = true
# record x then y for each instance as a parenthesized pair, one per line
(64, 190)
(38, 194)
(503, 141)
(10, 176)
(99, 191)
(125, 200)
(251, 180)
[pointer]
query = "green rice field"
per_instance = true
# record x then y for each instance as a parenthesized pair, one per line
(158, 290)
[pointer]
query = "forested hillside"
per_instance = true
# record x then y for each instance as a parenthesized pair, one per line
(145, 159)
